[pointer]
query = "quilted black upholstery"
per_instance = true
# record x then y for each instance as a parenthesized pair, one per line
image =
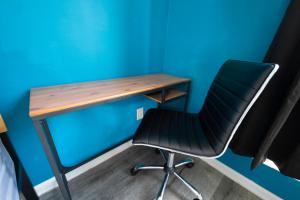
(208, 132)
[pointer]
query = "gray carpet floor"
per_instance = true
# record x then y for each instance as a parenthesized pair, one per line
(111, 180)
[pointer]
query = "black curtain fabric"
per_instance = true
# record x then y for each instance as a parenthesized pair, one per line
(272, 127)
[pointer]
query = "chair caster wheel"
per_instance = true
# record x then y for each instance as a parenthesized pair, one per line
(190, 165)
(136, 169)
(133, 171)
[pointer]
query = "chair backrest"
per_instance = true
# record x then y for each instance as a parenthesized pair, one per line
(234, 90)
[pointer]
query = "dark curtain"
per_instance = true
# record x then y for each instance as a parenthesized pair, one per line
(272, 127)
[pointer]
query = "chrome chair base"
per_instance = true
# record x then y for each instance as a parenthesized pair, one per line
(170, 169)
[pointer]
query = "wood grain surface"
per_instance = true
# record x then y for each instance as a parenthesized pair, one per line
(170, 95)
(3, 128)
(52, 100)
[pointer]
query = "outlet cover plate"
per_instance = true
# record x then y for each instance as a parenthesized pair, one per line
(139, 113)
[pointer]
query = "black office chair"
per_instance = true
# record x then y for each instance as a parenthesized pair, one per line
(208, 133)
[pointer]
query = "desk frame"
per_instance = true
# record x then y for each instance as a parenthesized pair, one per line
(42, 128)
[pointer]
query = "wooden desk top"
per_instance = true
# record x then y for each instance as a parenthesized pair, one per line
(52, 100)
(3, 128)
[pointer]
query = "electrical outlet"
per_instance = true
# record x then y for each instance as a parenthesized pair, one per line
(139, 113)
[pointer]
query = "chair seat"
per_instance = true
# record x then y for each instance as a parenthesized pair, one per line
(174, 131)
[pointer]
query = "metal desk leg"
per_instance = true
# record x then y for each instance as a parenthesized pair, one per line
(186, 96)
(163, 95)
(163, 98)
(45, 136)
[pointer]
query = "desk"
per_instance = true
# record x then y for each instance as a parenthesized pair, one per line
(3, 128)
(49, 101)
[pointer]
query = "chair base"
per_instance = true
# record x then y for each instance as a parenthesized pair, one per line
(170, 169)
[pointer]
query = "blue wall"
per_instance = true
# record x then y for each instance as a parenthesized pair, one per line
(201, 35)
(56, 42)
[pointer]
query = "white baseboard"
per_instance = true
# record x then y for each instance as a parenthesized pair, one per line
(242, 180)
(256, 189)
(51, 183)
